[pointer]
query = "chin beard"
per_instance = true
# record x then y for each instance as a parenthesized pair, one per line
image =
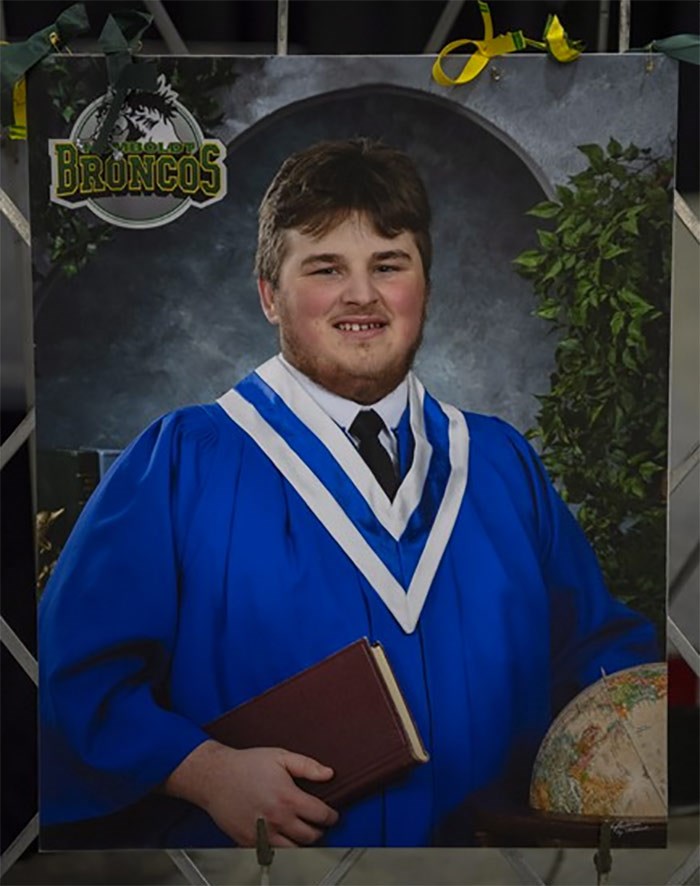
(361, 387)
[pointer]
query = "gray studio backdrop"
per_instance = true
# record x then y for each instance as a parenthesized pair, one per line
(168, 316)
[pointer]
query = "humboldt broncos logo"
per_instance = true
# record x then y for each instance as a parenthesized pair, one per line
(158, 163)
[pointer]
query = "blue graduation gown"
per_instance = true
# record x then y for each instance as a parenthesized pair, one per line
(199, 575)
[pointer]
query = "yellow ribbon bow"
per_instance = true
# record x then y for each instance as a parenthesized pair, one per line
(556, 42)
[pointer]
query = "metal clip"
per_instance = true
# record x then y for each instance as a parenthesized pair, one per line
(57, 44)
(603, 857)
(263, 851)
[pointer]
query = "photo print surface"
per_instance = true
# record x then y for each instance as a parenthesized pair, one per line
(204, 570)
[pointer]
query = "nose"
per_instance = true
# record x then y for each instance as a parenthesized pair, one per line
(360, 290)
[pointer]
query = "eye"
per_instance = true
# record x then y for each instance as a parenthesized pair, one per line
(326, 271)
(387, 269)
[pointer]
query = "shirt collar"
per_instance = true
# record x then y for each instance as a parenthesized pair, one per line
(342, 411)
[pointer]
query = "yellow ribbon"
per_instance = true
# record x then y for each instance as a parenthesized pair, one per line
(556, 42)
(485, 49)
(18, 128)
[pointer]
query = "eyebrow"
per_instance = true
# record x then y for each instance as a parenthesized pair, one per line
(321, 258)
(391, 254)
(335, 258)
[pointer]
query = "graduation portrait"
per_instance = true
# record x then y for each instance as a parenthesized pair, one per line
(352, 411)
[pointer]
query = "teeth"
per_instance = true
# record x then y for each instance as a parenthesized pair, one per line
(359, 327)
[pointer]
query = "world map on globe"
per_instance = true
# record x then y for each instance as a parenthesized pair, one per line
(605, 753)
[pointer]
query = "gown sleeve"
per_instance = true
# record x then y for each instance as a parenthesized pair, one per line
(590, 631)
(107, 624)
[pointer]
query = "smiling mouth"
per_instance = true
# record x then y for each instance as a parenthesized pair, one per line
(359, 327)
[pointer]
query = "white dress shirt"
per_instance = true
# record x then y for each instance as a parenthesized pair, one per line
(343, 412)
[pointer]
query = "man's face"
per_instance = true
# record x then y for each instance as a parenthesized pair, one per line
(350, 305)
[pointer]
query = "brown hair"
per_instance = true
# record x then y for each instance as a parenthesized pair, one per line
(318, 188)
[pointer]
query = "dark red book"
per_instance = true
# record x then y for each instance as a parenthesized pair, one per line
(346, 711)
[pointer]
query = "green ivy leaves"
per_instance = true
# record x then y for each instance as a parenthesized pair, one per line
(74, 240)
(601, 277)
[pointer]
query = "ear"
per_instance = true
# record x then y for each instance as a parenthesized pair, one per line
(268, 300)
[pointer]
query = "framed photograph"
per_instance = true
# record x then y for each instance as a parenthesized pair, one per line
(531, 664)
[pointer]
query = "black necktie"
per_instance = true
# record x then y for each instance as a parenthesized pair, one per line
(366, 428)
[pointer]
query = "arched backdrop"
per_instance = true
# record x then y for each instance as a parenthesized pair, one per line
(169, 316)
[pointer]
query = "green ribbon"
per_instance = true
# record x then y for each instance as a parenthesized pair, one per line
(121, 37)
(684, 47)
(18, 58)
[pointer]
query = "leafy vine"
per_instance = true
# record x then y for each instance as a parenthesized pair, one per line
(601, 275)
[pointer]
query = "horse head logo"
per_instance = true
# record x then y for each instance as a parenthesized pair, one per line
(145, 116)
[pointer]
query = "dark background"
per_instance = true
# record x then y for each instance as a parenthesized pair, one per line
(178, 320)
(397, 27)
(315, 27)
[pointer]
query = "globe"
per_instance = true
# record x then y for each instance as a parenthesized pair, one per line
(605, 754)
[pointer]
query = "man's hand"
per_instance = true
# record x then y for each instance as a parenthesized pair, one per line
(238, 787)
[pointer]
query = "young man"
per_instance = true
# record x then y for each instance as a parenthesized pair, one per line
(236, 543)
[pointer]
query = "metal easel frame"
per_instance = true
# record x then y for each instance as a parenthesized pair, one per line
(23, 434)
